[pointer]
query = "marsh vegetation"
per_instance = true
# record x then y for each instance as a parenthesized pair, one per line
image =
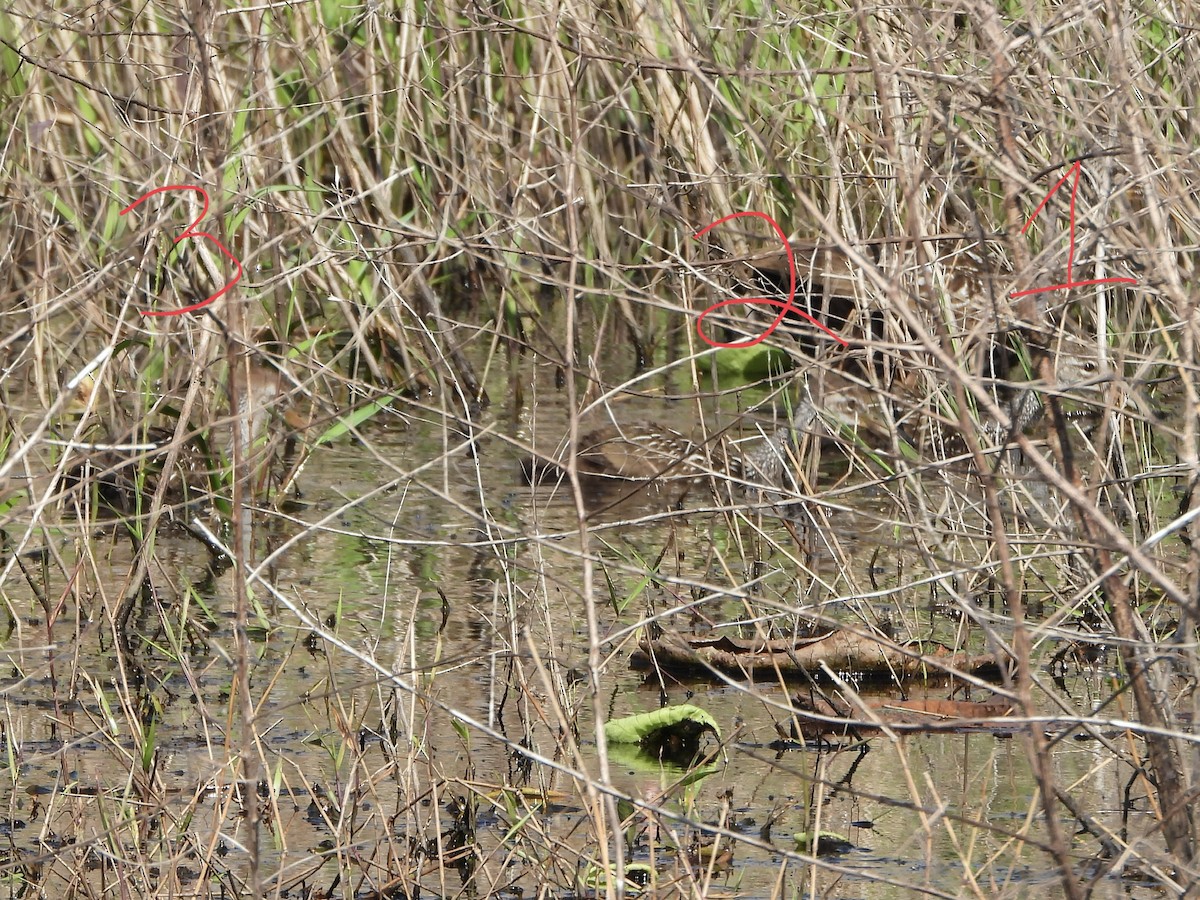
(283, 614)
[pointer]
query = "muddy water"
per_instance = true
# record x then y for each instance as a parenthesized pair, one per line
(468, 586)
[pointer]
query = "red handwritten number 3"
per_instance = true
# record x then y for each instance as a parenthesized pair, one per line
(784, 307)
(189, 233)
(1070, 282)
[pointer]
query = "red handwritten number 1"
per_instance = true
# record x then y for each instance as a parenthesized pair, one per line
(189, 233)
(1070, 283)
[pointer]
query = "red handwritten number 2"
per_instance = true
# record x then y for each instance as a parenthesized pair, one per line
(1070, 283)
(189, 233)
(784, 307)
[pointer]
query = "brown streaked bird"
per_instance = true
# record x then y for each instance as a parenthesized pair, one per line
(826, 284)
(829, 286)
(823, 269)
(646, 452)
(127, 469)
(829, 290)
(266, 399)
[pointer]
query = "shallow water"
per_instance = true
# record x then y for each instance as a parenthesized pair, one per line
(469, 588)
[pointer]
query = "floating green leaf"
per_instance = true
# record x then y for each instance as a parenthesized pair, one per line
(637, 877)
(346, 424)
(649, 727)
(759, 361)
